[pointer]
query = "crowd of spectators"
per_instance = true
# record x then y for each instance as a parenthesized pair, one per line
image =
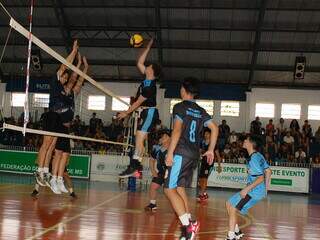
(281, 142)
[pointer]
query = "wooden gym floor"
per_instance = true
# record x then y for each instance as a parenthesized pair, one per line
(104, 211)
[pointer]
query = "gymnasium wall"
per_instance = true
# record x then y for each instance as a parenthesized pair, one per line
(241, 123)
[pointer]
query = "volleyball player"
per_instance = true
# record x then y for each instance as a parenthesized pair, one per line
(63, 149)
(258, 184)
(183, 152)
(146, 100)
(51, 119)
(205, 167)
(158, 167)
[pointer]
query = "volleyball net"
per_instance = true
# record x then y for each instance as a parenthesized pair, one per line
(92, 99)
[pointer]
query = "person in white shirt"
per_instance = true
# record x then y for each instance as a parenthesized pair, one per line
(233, 137)
(289, 140)
(300, 156)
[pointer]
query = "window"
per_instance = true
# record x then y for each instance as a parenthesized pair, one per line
(207, 105)
(41, 100)
(174, 102)
(290, 111)
(17, 99)
(230, 108)
(264, 110)
(314, 112)
(119, 106)
(96, 103)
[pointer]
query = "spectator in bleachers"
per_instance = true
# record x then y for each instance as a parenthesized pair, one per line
(288, 140)
(78, 145)
(94, 123)
(224, 132)
(300, 156)
(233, 137)
(256, 127)
(281, 129)
(226, 153)
(306, 129)
(317, 136)
(114, 129)
(270, 127)
(294, 125)
(271, 147)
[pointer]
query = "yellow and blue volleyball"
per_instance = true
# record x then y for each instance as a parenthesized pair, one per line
(136, 40)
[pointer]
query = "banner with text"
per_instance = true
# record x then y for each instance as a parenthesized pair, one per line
(108, 167)
(24, 162)
(284, 179)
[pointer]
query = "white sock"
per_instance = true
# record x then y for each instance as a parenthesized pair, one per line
(70, 190)
(40, 169)
(60, 179)
(54, 178)
(236, 229)
(231, 234)
(184, 219)
(189, 216)
(153, 201)
(46, 170)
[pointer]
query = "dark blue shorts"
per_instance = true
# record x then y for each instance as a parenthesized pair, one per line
(180, 173)
(148, 119)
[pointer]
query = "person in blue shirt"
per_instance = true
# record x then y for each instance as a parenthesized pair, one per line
(257, 186)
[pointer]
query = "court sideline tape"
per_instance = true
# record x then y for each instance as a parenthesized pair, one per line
(74, 217)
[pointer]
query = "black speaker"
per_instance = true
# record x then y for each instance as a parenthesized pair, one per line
(299, 68)
(36, 60)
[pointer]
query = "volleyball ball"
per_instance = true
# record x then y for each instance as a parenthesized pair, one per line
(136, 40)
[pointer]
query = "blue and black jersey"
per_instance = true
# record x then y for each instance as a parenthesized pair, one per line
(148, 89)
(159, 154)
(194, 118)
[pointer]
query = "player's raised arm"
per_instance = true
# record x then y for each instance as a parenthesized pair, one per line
(70, 58)
(74, 76)
(142, 58)
(77, 87)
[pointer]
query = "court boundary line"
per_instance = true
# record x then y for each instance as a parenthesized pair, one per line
(74, 217)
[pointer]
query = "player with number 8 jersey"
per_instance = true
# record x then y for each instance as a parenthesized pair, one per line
(184, 152)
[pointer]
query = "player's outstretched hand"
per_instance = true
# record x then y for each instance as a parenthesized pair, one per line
(210, 157)
(169, 160)
(122, 115)
(75, 45)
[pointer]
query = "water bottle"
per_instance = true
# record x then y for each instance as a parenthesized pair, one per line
(132, 184)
